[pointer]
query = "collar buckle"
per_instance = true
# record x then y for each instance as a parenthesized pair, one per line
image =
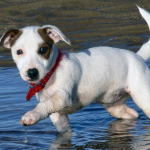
(30, 86)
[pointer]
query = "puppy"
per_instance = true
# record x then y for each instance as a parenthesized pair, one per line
(65, 82)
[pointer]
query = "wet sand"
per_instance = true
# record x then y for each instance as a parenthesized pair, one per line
(87, 23)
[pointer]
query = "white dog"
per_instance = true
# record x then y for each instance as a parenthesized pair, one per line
(65, 82)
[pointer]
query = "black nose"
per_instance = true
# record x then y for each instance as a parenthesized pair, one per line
(33, 73)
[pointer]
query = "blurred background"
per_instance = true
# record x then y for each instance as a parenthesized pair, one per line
(87, 23)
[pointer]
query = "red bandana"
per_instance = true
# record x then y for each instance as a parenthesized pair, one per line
(34, 88)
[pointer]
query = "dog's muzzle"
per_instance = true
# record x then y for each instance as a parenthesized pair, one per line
(33, 74)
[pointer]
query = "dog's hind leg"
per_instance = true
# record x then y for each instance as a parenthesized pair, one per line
(140, 94)
(119, 109)
(139, 87)
(61, 122)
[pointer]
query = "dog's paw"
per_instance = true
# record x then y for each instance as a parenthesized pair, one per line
(30, 118)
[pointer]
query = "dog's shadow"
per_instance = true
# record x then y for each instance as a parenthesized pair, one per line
(117, 133)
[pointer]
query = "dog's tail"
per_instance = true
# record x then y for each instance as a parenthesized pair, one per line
(144, 51)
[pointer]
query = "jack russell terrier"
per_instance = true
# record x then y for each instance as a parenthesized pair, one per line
(65, 82)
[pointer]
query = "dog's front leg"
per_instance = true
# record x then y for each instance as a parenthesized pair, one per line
(61, 122)
(55, 103)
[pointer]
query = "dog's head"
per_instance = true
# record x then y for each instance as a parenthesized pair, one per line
(33, 49)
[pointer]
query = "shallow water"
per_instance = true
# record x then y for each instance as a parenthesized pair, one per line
(87, 23)
(93, 127)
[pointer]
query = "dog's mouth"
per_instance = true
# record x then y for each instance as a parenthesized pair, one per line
(33, 80)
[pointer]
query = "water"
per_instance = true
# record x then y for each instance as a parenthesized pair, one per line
(25, 139)
(87, 23)
(93, 127)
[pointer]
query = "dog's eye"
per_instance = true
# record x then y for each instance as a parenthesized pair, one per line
(19, 52)
(43, 50)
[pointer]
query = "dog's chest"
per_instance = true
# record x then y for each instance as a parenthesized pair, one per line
(43, 95)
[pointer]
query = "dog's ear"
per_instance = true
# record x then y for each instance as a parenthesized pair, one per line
(9, 37)
(55, 34)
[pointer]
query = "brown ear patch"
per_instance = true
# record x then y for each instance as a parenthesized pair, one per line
(14, 35)
(48, 43)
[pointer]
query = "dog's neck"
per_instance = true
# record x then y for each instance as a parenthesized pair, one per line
(35, 88)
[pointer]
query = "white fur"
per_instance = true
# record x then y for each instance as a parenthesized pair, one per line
(105, 75)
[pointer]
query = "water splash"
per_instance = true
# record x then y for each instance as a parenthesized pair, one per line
(25, 139)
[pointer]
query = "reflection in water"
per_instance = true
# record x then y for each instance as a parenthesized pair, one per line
(118, 135)
(142, 141)
(62, 140)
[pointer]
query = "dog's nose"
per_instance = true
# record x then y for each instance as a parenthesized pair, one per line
(33, 73)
